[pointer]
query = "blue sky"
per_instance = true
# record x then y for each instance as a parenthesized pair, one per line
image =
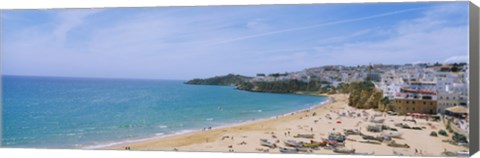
(191, 42)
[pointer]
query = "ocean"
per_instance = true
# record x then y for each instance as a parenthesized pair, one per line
(56, 112)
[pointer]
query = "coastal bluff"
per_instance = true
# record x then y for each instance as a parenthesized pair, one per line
(227, 80)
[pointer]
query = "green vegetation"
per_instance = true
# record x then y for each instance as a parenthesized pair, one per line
(343, 88)
(281, 86)
(457, 67)
(385, 104)
(364, 95)
(287, 86)
(228, 80)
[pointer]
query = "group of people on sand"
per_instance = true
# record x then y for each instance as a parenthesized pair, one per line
(207, 128)
(226, 137)
(418, 152)
(230, 148)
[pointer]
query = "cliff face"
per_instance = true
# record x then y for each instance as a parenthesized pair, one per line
(227, 80)
(364, 95)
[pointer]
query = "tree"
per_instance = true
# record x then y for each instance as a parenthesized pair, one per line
(386, 103)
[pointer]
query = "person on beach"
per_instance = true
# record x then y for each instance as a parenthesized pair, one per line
(230, 148)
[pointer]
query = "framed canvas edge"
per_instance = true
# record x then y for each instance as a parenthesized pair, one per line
(474, 94)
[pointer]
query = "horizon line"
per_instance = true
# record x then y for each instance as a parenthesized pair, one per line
(90, 77)
(133, 78)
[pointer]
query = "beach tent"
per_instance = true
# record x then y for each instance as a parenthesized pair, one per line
(457, 111)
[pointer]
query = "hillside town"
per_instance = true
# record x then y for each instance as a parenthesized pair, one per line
(425, 90)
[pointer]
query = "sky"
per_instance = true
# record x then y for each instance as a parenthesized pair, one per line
(199, 42)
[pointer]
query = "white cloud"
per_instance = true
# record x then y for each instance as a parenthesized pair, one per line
(429, 38)
(69, 19)
(178, 45)
(318, 25)
(456, 59)
(258, 25)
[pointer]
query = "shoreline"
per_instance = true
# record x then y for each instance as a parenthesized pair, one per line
(119, 145)
(321, 121)
(227, 125)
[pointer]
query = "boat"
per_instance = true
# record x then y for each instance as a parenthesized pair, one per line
(344, 151)
(314, 144)
(293, 143)
(383, 138)
(334, 143)
(348, 132)
(376, 128)
(310, 136)
(449, 153)
(378, 121)
(266, 143)
(392, 113)
(417, 128)
(463, 153)
(370, 142)
(288, 150)
(392, 134)
(395, 144)
(365, 153)
(336, 136)
(304, 149)
(350, 139)
(367, 137)
(398, 124)
(406, 126)
(377, 138)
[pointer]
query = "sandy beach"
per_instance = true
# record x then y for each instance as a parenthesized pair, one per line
(320, 121)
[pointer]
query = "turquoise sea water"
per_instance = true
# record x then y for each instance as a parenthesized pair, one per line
(53, 112)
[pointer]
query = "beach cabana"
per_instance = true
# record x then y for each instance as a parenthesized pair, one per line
(457, 111)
